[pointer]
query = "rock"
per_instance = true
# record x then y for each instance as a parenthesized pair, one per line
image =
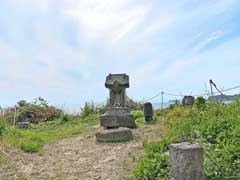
(114, 135)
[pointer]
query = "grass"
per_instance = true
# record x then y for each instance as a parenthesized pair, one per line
(33, 139)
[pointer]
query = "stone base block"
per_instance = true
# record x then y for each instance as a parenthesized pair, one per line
(114, 135)
(108, 121)
(117, 117)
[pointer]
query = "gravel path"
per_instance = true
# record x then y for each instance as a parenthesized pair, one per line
(76, 158)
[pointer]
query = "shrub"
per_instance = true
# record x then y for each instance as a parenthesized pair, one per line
(138, 117)
(35, 112)
(2, 126)
(31, 146)
(200, 103)
(89, 108)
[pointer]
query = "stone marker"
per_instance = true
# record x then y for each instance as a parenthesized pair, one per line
(23, 125)
(148, 111)
(117, 115)
(188, 101)
(186, 161)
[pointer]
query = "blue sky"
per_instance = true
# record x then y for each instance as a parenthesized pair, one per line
(62, 50)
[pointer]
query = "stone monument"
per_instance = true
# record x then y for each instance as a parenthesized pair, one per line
(148, 111)
(188, 101)
(117, 118)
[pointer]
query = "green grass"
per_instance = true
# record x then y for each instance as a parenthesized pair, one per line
(215, 126)
(32, 140)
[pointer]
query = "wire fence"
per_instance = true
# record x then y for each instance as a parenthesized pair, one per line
(195, 95)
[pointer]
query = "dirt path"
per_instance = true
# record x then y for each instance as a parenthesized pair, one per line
(77, 158)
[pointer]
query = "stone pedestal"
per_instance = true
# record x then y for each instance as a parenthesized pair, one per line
(117, 117)
(115, 135)
(186, 161)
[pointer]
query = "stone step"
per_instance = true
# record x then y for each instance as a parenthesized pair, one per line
(115, 135)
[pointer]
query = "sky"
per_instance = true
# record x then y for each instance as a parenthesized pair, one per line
(62, 50)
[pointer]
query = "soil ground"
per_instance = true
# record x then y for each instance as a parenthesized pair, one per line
(79, 158)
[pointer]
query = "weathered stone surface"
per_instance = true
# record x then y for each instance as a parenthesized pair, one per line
(23, 125)
(186, 161)
(117, 117)
(188, 101)
(122, 79)
(117, 83)
(114, 135)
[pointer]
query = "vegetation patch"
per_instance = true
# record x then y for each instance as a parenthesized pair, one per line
(63, 125)
(214, 125)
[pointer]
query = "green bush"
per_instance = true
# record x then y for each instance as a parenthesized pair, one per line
(90, 108)
(138, 117)
(2, 126)
(91, 119)
(154, 168)
(200, 103)
(35, 112)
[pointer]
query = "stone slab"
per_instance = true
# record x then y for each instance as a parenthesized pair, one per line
(114, 135)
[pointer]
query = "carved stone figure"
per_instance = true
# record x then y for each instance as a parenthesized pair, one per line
(117, 83)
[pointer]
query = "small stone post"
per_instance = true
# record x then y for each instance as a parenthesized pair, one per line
(148, 111)
(186, 161)
(188, 101)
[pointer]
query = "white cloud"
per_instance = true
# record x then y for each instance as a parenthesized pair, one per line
(212, 37)
(144, 71)
(40, 6)
(108, 20)
(113, 35)
(176, 68)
